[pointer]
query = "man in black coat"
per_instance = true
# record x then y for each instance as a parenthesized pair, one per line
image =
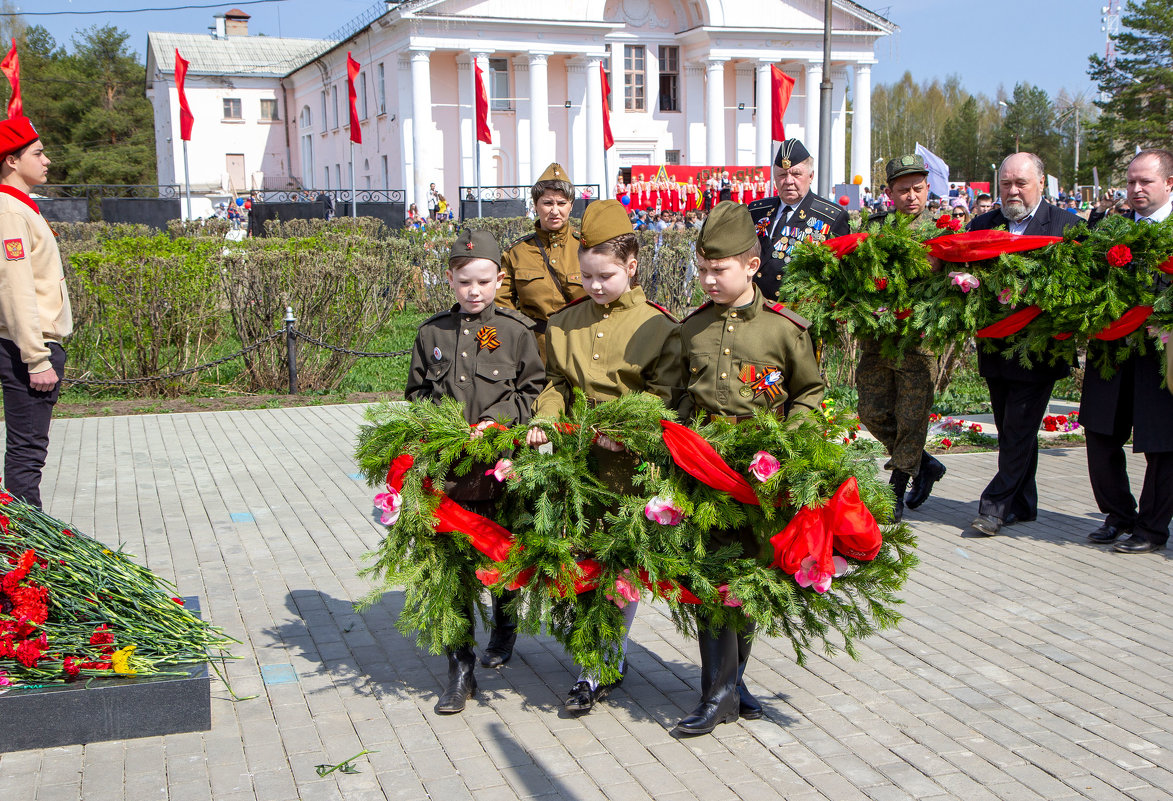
(795, 215)
(1018, 394)
(1133, 400)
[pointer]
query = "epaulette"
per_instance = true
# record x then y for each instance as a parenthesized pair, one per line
(519, 240)
(794, 317)
(574, 302)
(698, 310)
(575, 234)
(823, 205)
(878, 218)
(662, 310)
(513, 314)
(437, 316)
(766, 204)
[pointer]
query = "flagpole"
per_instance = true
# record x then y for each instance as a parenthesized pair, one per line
(477, 168)
(353, 195)
(186, 180)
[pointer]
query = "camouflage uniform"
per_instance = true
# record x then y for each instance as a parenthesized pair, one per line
(895, 401)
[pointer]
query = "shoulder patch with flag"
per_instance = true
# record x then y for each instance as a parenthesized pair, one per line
(13, 249)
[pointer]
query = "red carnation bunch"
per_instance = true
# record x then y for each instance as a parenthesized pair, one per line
(24, 606)
(947, 222)
(1119, 255)
(881, 283)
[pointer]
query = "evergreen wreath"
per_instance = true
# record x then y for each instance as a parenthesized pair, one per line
(570, 534)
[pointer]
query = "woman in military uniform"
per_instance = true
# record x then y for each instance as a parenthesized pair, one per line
(541, 268)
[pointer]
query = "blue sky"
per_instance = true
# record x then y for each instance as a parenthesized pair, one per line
(987, 42)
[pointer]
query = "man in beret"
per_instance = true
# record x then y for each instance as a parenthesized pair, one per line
(796, 215)
(896, 395)
(34, 310)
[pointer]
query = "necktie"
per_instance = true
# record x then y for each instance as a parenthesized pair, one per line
(782, 215)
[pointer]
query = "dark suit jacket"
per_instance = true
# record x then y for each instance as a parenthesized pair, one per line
(1137, 381)
(1048, 220)
(819, 218)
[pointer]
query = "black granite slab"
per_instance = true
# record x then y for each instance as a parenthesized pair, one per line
(52, 715)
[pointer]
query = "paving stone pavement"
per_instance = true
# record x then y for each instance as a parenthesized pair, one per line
(1029, 666)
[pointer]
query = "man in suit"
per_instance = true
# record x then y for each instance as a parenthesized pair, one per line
(1133, 401)
(795, 215)
(1018, 394)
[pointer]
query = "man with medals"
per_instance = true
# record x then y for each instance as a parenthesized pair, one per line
(795, 215)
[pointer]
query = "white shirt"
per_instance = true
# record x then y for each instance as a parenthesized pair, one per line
(1020, 226)
(1160, 214)
(783, 215)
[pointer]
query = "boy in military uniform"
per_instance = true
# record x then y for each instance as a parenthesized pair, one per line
(795, 215)
(487, 358)
(541, 268)
(615, 343)
(742, 352)
(896, 396)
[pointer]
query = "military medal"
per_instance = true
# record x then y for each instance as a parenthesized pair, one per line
(763, 226)
(770, 384)
(436, 352)
(487, 338)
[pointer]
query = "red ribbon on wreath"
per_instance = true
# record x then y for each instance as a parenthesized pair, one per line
(843, 524)
(1131, 320)
(695, 456)
(1010, 325)
(1166, 266)
(842, 245)
(980, 245)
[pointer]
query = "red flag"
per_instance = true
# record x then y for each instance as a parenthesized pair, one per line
(185, 116)
(608, 139)
(352, 68)
(482, 107)
(11, 68)
(782, 85)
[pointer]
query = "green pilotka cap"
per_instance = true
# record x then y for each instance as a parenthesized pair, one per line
(728, 231)
(472, 244)
(603, 220)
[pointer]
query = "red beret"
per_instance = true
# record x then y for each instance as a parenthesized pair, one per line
(15, 134)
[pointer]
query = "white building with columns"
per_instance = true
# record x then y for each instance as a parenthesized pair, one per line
(690, 84)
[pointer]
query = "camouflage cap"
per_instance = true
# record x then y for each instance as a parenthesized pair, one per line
(728, 231)
(554, 173)
(906, 165)
(472, 244)
(603, 220)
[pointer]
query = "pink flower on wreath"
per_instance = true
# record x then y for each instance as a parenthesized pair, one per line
(626, 590)
(808, 574)
(391, 502)
(502, 471)
(727, 597)
(965, 281)
(763, 466)
(661, 510)
(4, 680)
(1005, 295)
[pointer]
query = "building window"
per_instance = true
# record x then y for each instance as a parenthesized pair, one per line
(233, 109)
(386, 175)
(327, 171)
(669, 78)
(306, 117)
(307, 155)
(499, 97)
(334, 91)
(269, 109)
(381, 89)
(338, 175)
(325, 119)
(362, 96)
(634, 77)
(672, 157)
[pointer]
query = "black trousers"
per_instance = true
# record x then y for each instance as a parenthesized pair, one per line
(26, 417)
(1019, 408)
(1107, 469)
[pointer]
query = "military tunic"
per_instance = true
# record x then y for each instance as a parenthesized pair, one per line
(812, 220)
(489, 362)
(536, 288)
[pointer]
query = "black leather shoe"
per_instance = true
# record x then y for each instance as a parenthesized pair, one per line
(709, 715)
(495, 657)
(1106, 534)
(462, 685)
(986, 525)
(500, 647)
(748, 707)
(1138, 543)
(931, 471)
(899, 482)
(1012, 518)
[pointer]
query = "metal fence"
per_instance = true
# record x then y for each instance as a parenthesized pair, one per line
(513, 201)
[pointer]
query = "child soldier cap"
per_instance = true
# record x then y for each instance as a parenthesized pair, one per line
(15, 133)
(472, 244)
(728, 231)
(906, 165)
(603, 220)
(790, 152)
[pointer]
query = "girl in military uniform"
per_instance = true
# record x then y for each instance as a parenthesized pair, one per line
(615, 343)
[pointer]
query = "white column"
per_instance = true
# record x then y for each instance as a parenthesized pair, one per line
(596, 164)
(765, 118)
(522, 105)
(539, 114)
(861, 124)
(810, 136)
(715, 148)
(466, 98)
(576, 93)
(694, 113)
(423, 171)
(839, 172)
(744, 136)
(406, 130)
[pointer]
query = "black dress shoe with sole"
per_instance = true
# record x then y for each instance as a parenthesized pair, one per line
(986, 525)
(1138, 543)
(931, 471)
(1107, 534)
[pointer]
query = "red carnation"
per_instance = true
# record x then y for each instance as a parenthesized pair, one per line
(70, 667)
(881, 283)
(102, 635)
(947, 443)
(1119, 255)
(903, 314)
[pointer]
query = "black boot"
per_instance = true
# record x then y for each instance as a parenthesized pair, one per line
(500, 647)
(899, 482)
(462, 685)
(931, 471)
(719, 698)
(749, 707)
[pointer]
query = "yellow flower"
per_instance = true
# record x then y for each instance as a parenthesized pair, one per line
(121, 660)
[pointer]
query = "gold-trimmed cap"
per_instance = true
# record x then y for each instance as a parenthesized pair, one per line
(790, 152)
